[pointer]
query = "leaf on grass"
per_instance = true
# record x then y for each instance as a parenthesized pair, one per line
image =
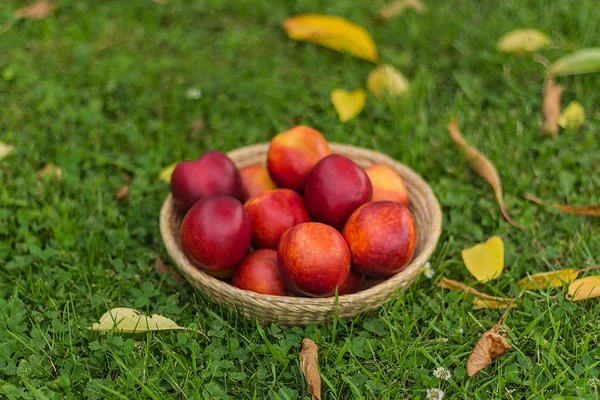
(584, 288)
(485, 261)
(551, 106)
(50, 170)
(572, 117)
(522, 41)
(480, 300)
(166, 172)
(386, 77)
(394, 9)
(5, 149)
(309, 358)
(122, 192)
(348, 104)
(553, 279)
(333, 32)
(581, 62)
(128, 320)
(36, 11)
(491, 345)
(592, 210)
(483, 167)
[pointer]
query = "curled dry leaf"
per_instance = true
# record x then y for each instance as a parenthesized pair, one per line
(38, 10)
(395, 8)
(386, 77)
(485, 261)
(584, 288)
(333, 32)
(491, 345)
(348, 104)
(554, 279)
(5, 149)
(128, 320)
(581, 62)
(122, 192)
(166, 172)
(572, 117)
(592, 210)
(480, 300)
(522, 41)
(50, 170)
(551, 106)
(309, 358)
(484, 167)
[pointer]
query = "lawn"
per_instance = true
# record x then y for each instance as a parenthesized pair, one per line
(101, 89)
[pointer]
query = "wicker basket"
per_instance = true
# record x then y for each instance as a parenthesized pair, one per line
(302, 310)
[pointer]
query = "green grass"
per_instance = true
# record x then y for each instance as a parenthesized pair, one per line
(98, 88)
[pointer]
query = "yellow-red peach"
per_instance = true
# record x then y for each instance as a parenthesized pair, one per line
(259, 272)
(255, 180)
(293, 153)
(313, 259)
(387, 184)
(382, 237)
(352, 284)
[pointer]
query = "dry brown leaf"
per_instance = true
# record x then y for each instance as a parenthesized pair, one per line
(394, 9)
(481, 300)
(484, 167)
(309, 357)
(122, 192)
(551, 106)
(592, 210)
(50, 170)
(36, 11)
(491, 345)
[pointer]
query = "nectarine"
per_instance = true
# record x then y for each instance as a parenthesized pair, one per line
(387, 184)
(352, 284)
(259, 272)
(255, 180)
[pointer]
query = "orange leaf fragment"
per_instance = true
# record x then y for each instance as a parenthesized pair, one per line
(309, 357)
(592, 210)
(36, 11)
(491, 345)
(551, 106)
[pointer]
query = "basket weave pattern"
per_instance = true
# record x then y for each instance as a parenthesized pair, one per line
(302, 310)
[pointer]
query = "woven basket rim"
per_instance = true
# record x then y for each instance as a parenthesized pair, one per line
(409, 273)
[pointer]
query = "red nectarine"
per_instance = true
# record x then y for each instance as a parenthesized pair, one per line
(259, 272)
(387, 184)
(255, 180)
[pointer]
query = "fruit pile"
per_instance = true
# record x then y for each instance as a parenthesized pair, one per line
(312, 222)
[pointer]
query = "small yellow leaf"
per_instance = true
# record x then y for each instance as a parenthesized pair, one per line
(553, 279)
(5, 149)
(485, 261)
(386, 77)
(483, 166)
(348, 104)
(128, 320)
(522, 40)
(572, 117)
(166, 172)
(333, 32)
(584, 288)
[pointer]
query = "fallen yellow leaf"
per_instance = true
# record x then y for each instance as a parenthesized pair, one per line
(484, 167)
(166, 172)
(480, 300)
(584, 288)
(553, 279)
(128, 320)
(572, 117)
(397, 7)
(333, 32)
(592, 210)
(36, 11)
(5, 149)
(522, 40)
(386, 77)
(485, 261)
(348, 104)
(551, 106)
